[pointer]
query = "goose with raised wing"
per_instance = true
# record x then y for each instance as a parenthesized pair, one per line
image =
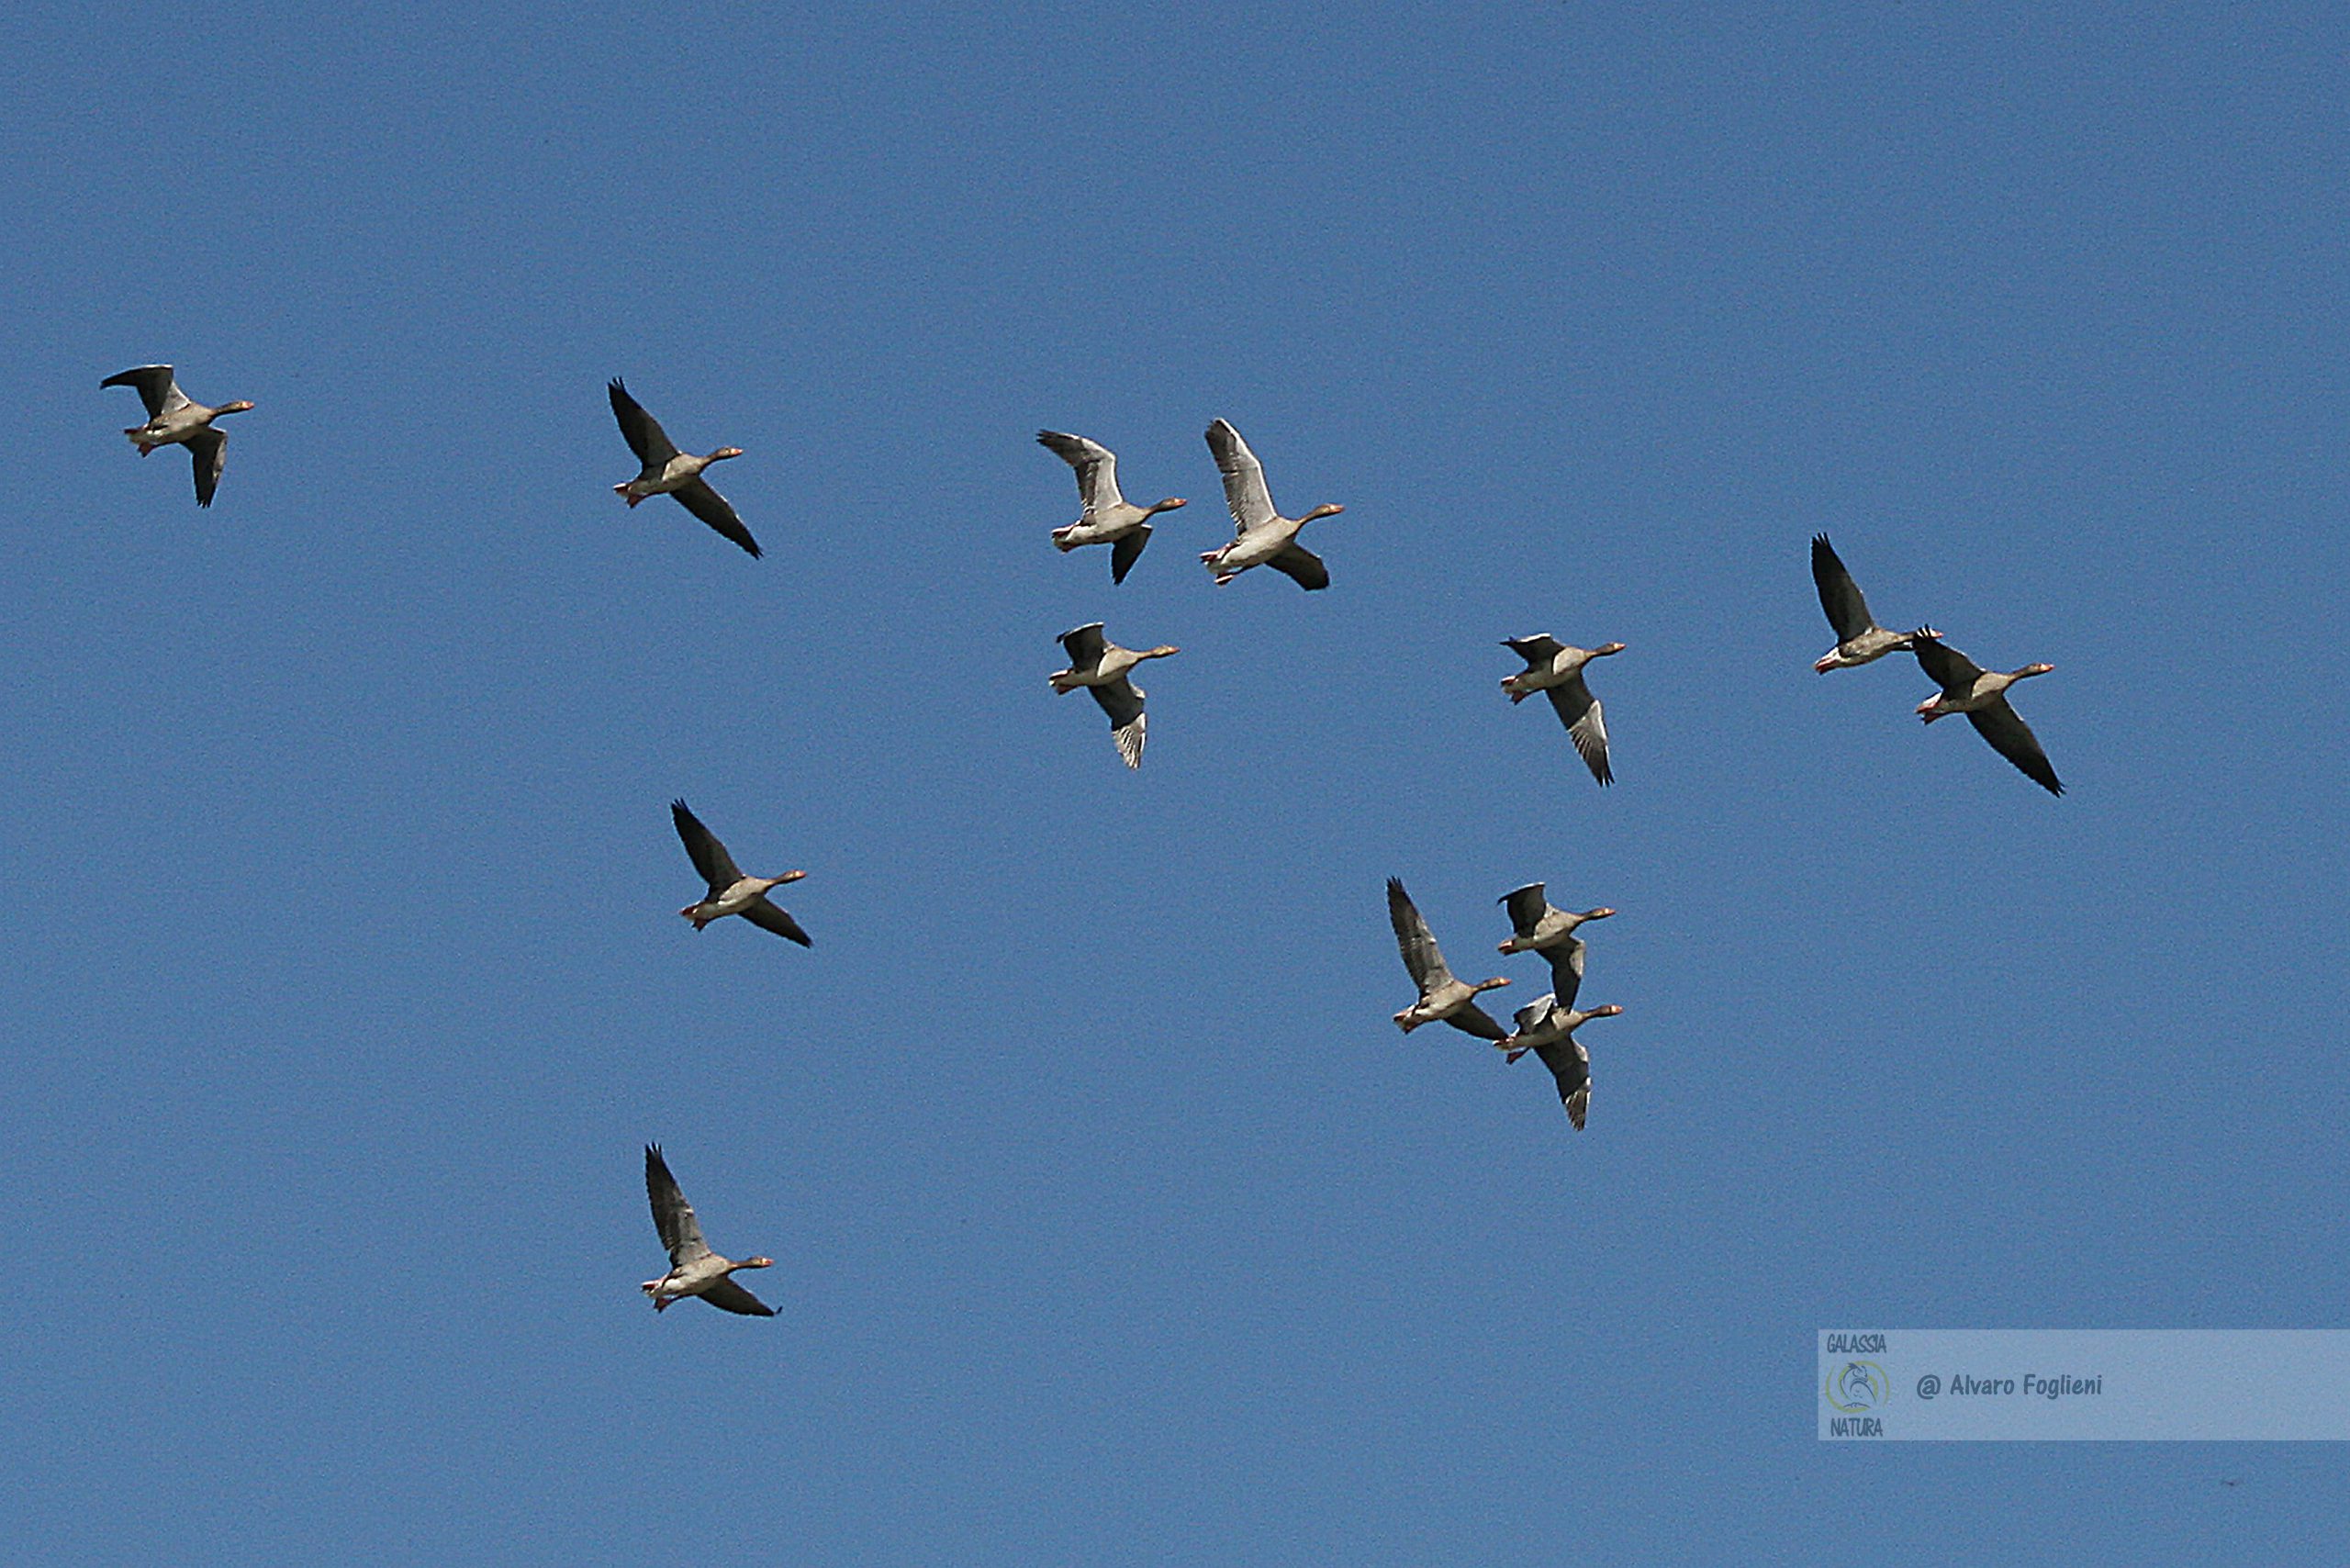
(1982, 696)
(1539, 926)
(1549, 1031)
(668, 471)
(1261, 536)
(1859, 639)
(1556, 668)
(694, 1269)
(1109, 518)
(1443, 999)
(1101, 667)
(730, 892)
(174, 418)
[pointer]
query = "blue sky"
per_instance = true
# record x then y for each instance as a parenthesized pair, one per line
(1114, 1219)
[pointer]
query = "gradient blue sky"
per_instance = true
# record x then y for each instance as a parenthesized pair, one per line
(1114, 1221)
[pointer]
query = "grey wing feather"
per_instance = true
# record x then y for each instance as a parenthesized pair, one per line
(1586, 726)
(2012, 738)
(1535, 650)
(1083, 645)
(768, 915)
(1422, 960)
(1526, 905)
(1302, 566)
(1943, 665)
(156, 388)
(1122, 701)
(1471, 1019)
(1840, 596)
(698, 498)
(640, 429)
(709, 857)
(672, 1216)
(728, 1297)
(1245, 495)
(208, 449)
(1566, 970)
(1126, 550)
(1570, 1065)
(1096, 465)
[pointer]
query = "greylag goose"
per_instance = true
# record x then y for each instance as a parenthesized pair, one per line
(694, 1269)
(172, 418)
(1555, 667)
(1859, 639)
(668, 471)
(1539, 926)
(1100, 666)
(1549, 1031)
(1109, 518)
(1261, 536)
(730, 892)
(1981, 695)
(1443, 999)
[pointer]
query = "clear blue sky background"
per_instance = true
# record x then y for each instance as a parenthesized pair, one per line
(1114, 1220)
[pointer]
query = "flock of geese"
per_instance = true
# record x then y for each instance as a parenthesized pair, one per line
(1261, 537)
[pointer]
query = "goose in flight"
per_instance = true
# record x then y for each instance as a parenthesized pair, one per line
(1109, 518)
(1100, 666)
(1538, 926)
(694, 1269)
(1549, 1031)
(1555, 667)
(730, 892)
(668, 471)
(172, 418)
(1981, 695)
(1261, 536)
(1442, 998)
(1859, 639)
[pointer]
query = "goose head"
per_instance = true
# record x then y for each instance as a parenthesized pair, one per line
(1492, 984)
(240, 407)
(1161, 651)
(1172, 503)
(723, 453)
(756, 1264)
(2034, 669)
(1326, 509)
(786, 876)
(1606, 648)
(1610, 1011)
(1602, 912)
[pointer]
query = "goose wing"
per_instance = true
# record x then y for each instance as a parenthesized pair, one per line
(1422, 960)
(208, 449)
(1083, 645)
(156, 388)
(1570, 1065)
(767, 915)
(698, 498)
(1121, 700)
(1302, 566)
(1535, 651)
(1244, 495)
(1526, 906)
(709, 857)
(1943, 665)
(1096, 465)
(728, 1297)
(2012, 738)
(1580, 712)
(1840, 596)
(640, 429)
(1471, 1019)
(672, 1216)
(1126, 550)
(1566, 970)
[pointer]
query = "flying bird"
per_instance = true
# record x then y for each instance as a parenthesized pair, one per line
(1554, 667)
(1981, 695)
(1443, 999)
(172, 418)
(1549, 1031)
(668, 471)
(730, 892)
(1859, 639)
(1261, 536)
(1537, 927)
(1109, 518)
(694, 1269)
(1100, 666)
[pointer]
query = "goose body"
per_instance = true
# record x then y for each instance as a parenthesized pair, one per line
(1443, 998)
(732, 892)
(176, 419)
(1539, 926)
(1556, 669)
(1859, 639)
(694, 1269)
(665, 471)
(1108, 517)
(1982, 696)
(1261, 536)
(1101, 667)
(1549, 1031)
